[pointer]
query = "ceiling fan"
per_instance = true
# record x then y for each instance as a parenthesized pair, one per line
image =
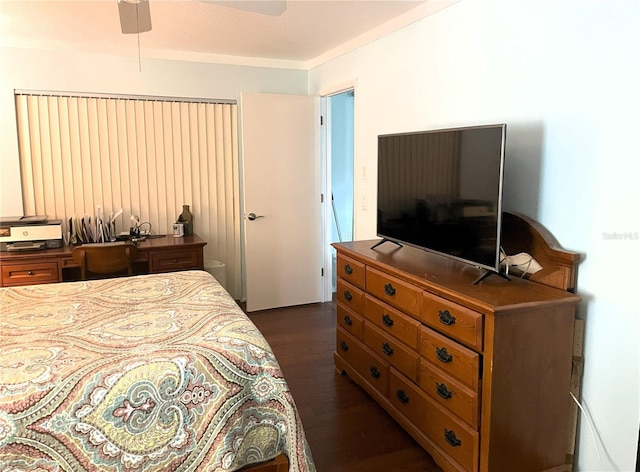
(135, 15)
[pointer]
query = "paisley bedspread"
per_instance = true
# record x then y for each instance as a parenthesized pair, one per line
(147, 373)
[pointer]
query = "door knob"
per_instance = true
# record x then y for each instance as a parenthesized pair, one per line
(253, 216)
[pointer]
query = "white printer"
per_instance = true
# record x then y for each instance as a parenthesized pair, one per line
(19, 233)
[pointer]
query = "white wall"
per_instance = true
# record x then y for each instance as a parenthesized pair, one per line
(564, 76)
(29, 69)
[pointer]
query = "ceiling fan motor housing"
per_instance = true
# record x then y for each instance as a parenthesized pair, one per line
(135, 16)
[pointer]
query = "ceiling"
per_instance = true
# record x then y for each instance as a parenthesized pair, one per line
(307, 33)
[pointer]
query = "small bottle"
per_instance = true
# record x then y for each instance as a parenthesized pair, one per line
(186, 218)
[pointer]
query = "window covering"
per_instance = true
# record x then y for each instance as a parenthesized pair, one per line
(146, 155)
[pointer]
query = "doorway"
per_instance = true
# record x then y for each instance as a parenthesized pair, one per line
(339, 151)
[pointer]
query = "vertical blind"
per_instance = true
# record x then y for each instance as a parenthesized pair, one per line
(148, 156)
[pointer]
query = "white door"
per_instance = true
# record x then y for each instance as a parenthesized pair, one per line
(282, 207)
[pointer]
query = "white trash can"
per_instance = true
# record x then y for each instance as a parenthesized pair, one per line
(218, 270)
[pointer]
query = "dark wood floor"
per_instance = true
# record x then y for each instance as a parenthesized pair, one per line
(346, 430)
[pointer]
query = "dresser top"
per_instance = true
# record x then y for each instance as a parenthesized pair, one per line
(453, 279)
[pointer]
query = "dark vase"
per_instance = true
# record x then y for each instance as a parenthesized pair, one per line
(186, 218)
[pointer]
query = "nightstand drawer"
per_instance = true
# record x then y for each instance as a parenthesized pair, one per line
(170, 261)
(452, 319)
(29, 274)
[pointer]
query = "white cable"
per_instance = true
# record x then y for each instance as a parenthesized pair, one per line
(526, 269)
(591, 428)
(503, 258)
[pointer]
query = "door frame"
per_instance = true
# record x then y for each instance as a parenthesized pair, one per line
(325, 179)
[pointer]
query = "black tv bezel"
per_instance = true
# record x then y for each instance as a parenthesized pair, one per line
(479, 265)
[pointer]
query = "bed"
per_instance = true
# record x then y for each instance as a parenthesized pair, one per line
(147, 373)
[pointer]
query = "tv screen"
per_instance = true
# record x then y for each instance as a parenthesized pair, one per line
(441, 190)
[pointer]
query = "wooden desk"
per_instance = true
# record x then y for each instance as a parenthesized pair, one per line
(164, 254)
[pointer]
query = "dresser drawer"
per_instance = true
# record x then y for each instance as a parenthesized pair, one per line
(351, 296)
(451, 436)
(369, 366)
(450, 393)
(453, 358)
(408, 399)
(394, 291)
(351, 270)
(392, 321)
(392, 350)
(169, 261)
(350, 321)
(452, 319)
(30, 274)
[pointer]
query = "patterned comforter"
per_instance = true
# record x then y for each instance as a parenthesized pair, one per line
(148, 373)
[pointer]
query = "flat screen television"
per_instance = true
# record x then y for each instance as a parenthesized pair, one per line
(441, 190)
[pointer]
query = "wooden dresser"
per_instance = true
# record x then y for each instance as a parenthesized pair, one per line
(163, 254)
(480, 375)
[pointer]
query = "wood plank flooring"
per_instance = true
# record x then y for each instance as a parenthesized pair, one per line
(346, 430)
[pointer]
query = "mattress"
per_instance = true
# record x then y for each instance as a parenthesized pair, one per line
(154, 372)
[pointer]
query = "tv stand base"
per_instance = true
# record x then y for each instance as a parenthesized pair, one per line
(384, 240)
(486, 273)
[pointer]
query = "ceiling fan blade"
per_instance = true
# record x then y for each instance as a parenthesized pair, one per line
(135, 16)
(264, 7)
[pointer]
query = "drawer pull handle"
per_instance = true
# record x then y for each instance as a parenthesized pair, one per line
(30, 272)
(446, 318)
(389, 290)
(443, 355)
(344, 346)
(388, 350)
(451, 438)
(375, 373)
(387, 320)
(347, 320)
(348, 269)
(443, 391)
(347, 295)
(402, 396)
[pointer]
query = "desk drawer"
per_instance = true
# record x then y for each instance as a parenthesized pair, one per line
(68, 262)
(169, 261)
(29, 274)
